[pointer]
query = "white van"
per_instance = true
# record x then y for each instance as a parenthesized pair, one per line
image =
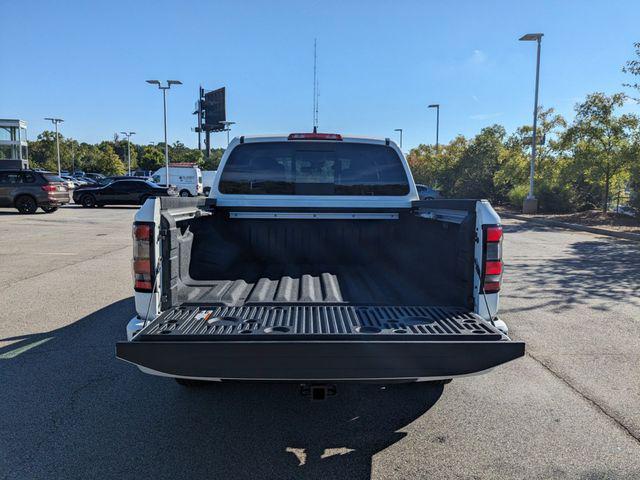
(207, 180)
(187, 178)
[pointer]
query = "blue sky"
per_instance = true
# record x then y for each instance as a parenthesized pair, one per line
(380, 63)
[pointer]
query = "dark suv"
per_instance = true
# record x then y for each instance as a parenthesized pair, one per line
(27, 190)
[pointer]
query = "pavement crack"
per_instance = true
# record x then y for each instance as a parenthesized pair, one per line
(595, 404)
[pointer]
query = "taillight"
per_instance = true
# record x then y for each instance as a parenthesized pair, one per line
(49, 188)
(492, 273)
(143, 254)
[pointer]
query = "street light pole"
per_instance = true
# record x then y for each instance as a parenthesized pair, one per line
(128, 135)
(531, 204)
(56, 121)
(164, 103)
(399, 130)
(437, 107)
(227, 128)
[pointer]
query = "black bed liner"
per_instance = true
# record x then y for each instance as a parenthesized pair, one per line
(319, 342)
(190, 322)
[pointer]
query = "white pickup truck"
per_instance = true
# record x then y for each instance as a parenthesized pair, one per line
(313, 260)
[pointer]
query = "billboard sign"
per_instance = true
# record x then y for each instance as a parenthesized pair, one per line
(214, 110)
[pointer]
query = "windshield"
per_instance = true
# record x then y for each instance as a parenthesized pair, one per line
(313, 168)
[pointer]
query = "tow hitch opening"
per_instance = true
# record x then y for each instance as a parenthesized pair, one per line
(318, 392)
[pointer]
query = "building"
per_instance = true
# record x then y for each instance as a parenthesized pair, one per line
(14, 150)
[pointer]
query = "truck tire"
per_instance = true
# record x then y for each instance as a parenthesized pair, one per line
(187, 382)
(185, 193)
(88, 201)
(26, 204)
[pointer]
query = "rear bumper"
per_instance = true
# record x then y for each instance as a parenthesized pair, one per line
(230, 346)
(56, 199)
(319, 360)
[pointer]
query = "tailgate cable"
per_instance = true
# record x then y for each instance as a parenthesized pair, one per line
(484, 295)
(153, 290)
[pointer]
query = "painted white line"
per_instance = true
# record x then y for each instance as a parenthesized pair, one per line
(14, 353)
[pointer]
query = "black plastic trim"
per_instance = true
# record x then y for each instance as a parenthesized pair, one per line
(340, 361)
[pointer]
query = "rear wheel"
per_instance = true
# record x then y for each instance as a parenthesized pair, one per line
(26, 204)
(185, 193)
(49, 209)
(187, 382)
(88, 201)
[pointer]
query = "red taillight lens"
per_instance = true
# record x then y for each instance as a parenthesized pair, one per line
(492, 275)
(141, 231)
(494, 234)
(315, 136)
(49, 188)
(493, 268)
(143, 254)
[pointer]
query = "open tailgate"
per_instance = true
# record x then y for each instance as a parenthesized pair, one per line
(319, 342)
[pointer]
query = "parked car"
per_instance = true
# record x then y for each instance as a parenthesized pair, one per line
(120, 192)
(27, 190)
(143, 173)
(314, 261)
(93, 176)
(186, 178)
(625, 210)
(427, 193)
(71, 182)
(207, 180)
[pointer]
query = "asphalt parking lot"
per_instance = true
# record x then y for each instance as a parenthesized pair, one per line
(569, 409)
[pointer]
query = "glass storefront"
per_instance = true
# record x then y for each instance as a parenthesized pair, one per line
(9, 134)
(13, 143)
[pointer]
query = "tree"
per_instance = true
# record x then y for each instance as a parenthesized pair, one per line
(151, 159)
(480, 163)
(214, 159)
(600, 142)
(108, 162)
(633, 67)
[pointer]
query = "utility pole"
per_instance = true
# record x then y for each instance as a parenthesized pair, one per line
(227, 128)
(530, 204)
(399, 130)
(437, 107)
(200, 95)
(56, 121)
(164, 103)
(315, 85)
(128, 135)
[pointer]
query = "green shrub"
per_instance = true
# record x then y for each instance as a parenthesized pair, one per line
(517, 195)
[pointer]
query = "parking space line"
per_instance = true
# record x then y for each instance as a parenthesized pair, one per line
(17, 351)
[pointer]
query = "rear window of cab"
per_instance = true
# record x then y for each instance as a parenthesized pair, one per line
(314, 168)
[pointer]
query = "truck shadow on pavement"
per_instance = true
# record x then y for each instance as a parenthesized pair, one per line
(600, 272)
(72, 410)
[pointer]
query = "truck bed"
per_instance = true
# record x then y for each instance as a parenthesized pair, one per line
(319, 342)
(303, 283)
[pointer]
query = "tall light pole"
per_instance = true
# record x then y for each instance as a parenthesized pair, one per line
(399, 130)
(164, 103)
(530, 204)
(128, 135)
(56, 121)
(227, 128)
(437, 107)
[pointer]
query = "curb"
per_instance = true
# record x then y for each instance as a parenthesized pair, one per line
(572, 226)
